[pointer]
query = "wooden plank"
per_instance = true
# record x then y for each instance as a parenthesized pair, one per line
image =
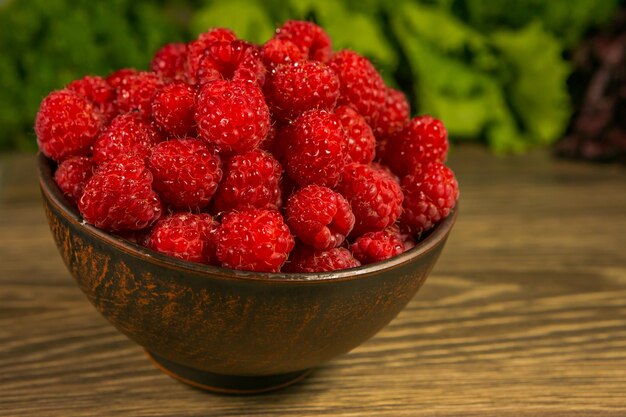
(524, 315)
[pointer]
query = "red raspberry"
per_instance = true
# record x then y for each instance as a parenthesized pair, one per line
(317, 149)
(232, 115)
(197, 48)
(280, 51)
(361, 85)
(173, 109)
(253, 240)
(430, 191)
(375, 197)
(319, 216)
(313, 42)
(127, 134)
(186, 173)
(296, 87)
(117, 78)
(251, 180)
(377, 246)
(136, 92)
(422, 141)
(361, 141)
(98, 91)
(307, 259)
(72, 175)
(119, 196)
(170, 62)
(393, 115)
(66, 125)
(185, 236)
(231, 60)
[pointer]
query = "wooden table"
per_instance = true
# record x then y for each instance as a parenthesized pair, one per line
(524, 315)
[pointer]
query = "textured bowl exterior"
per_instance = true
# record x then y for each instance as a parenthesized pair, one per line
(233, 322)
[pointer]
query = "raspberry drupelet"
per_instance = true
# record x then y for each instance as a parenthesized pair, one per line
(319, 216)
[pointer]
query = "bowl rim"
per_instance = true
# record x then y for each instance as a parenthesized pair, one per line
(55, 197)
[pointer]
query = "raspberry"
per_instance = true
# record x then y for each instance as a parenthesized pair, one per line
(296, 87)
(197, 48)
(361, 141)
(377, 246)
(313, 42)
(230, 60)
(127, 134)
(186, 236)
(98, 92)
(422, 141)
(307, 259)
(253, 240)
(186, 173)
(136, 92)
(392, 116)
(361, 85)
(173, 109)
(375, 197)
(280, 51)
(319, 216)
(119, 196)
(72, 175)
(407, 240)
(430, 191)
(170, 62)
(66, 125)
(232, 115)
(317, 149)
(251, 180)
(115, 79)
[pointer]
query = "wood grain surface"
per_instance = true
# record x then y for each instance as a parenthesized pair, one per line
(524, 315)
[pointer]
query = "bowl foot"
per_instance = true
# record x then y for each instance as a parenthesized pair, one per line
(226, 384)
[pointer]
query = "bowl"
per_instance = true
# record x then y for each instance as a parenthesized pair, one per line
(225, 330)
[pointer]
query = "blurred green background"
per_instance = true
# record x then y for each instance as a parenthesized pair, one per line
(494, 71)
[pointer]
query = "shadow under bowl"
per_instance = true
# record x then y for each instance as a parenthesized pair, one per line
(226, 330)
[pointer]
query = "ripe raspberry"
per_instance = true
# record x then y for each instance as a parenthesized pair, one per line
(319, 216)
(392, 116)
(170, 62)
(361, 85)
(280, 51)
(430, 191)
(173, 109)
(127, 134)
(307, 259)
(230, 60)
(422, 141)
(72, 174)
(253, 240)
(232, 115)
(119, 196)
(375, 197)
(296, 87)
(251, 180)
(317, 149)
(117, 78)
(313, 42)
(377, 246)
(98, 92)
(186, 236)
(136, 92)
(197, 48)
(361, 141)
(186, 173)
(66, 125)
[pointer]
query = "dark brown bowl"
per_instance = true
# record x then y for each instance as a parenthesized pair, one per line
(226, 330)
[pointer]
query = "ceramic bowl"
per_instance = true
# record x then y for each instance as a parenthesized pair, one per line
(226, 330)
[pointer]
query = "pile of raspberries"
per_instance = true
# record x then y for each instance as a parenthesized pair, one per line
(282, 157)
